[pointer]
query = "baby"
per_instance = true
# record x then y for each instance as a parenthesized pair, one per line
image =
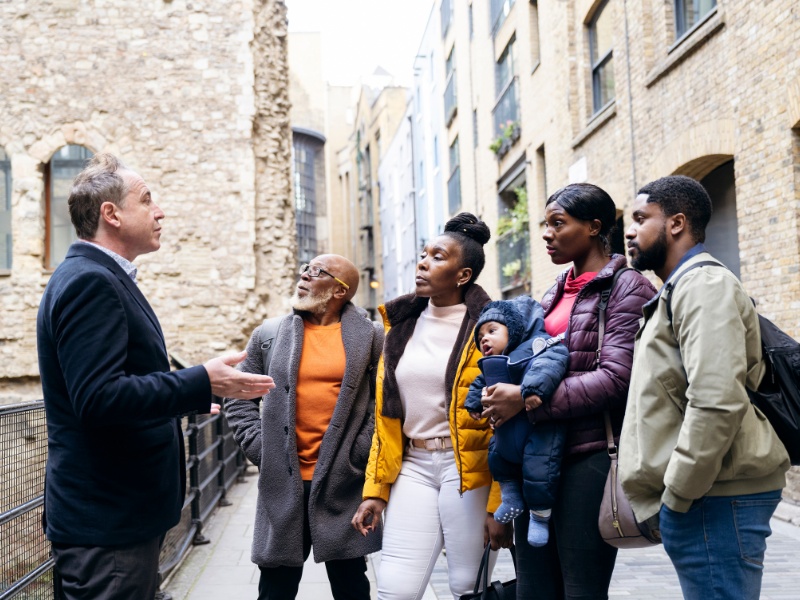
(525, 459)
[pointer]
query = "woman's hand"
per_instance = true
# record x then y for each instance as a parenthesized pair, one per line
(368, 515)
(499, 535)
(501, 403)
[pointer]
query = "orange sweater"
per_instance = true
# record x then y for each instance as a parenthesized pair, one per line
(319, 379)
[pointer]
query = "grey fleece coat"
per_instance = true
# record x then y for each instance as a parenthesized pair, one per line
(269, 441)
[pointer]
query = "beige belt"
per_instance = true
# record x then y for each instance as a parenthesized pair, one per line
(439, 443)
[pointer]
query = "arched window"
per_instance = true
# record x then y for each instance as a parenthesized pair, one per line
(5, 212)
(66, 163)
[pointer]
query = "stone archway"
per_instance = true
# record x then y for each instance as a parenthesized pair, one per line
(77, 133)
(695, 152)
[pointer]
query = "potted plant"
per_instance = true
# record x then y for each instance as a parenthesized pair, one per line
(508, 135)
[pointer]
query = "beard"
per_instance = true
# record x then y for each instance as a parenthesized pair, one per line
(654, 257)
(315, 303)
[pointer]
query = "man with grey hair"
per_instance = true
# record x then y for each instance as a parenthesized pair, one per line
(115, 470)
(312, 437)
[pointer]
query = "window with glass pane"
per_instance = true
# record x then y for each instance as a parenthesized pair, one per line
(504, 69)
(689, 13)
(600, 48)
(454, 181)
(506, 108)
(66, 163)
(309, 177)
(446, 9)
(450, 95)
(5, 211)
(498, 11)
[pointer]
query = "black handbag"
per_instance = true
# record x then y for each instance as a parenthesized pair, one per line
(496, 590)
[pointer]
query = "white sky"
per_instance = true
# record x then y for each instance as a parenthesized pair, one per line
(360, 35)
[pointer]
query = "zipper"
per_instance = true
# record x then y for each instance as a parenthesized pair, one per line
(454, 403)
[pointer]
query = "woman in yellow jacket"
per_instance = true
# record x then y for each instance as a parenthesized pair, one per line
(426, 448)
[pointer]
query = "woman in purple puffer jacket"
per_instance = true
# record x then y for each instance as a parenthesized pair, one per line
(577, 563)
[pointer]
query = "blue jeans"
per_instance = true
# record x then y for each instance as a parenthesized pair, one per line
(718, 546)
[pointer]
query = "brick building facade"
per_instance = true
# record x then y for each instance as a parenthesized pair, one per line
(618, 93)
(191, 94)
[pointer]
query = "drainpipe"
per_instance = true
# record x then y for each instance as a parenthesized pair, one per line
(413, 175)
(630, 97)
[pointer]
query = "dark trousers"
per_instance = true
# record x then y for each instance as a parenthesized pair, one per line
(576, 563)
(108, 573)
(348, 577)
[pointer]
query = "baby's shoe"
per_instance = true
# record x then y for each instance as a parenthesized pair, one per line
(539, 529)
(512, 504)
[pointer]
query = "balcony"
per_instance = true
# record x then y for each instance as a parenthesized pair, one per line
(450, 99)
(514, 259)
(454, 191)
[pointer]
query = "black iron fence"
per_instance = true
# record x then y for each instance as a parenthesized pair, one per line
(213, 464)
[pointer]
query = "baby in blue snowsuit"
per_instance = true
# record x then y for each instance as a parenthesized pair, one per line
(525, 459)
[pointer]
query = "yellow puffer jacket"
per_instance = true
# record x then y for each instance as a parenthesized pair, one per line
(470, 436)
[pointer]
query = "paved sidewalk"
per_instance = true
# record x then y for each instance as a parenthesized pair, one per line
(222, 569)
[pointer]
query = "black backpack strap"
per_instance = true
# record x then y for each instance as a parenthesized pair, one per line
(601, 310)
(266, 334)
(673, 282)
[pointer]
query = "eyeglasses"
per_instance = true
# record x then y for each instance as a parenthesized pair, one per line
(314, 271)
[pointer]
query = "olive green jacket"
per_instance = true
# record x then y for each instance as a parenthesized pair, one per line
(690, 429)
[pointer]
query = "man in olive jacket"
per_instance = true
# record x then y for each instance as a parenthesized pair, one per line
(695, 455)
(312, 438)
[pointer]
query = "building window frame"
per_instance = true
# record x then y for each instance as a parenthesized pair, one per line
(602, 65)
(73, 165)
(6, 233)
(506, 110)
(535, 36)
(454, 180)
(446, 9)
(702, 10)
(498, 13)
(450, 90)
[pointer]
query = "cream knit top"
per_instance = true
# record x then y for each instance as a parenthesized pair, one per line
(421, 371)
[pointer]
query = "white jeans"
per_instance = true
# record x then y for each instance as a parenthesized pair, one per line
(425, 513)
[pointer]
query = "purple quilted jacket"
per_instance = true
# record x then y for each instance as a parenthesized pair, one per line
(588, 389)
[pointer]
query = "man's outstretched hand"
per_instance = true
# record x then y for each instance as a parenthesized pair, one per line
(227, 382)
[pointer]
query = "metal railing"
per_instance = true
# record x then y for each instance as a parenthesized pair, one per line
(213, 464)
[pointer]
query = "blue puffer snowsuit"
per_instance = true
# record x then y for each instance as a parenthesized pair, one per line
(519, 449)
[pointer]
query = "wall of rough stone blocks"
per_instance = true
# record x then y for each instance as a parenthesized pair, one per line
(192, 94)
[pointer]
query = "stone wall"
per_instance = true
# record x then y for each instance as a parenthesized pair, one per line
(194, 96)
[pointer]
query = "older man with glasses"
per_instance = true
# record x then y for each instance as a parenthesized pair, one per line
(312, 436)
